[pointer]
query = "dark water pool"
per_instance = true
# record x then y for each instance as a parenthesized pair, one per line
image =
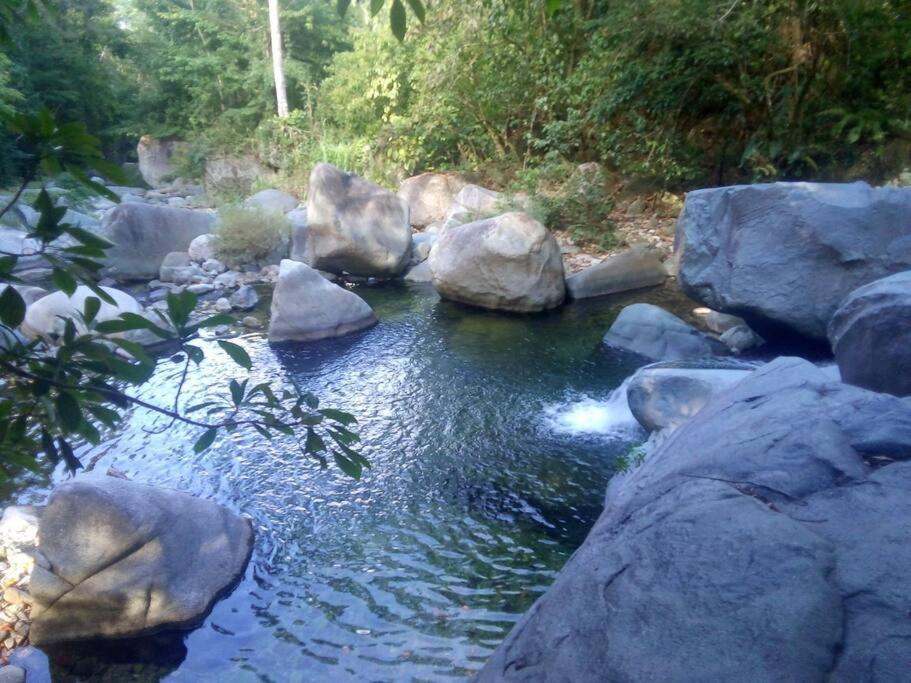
(491, 442)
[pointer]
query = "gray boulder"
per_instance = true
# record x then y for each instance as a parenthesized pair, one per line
(655, 333)
(740, 338)
(635, 268)
(870, 335)
(244, 299)
(45, 317)
(755, 539)
(665, 395)
(307, 307)
(421, 244)
(784, 256)
(355, 226)
(156, 159)
(177, 267)
(429, 196)
(144, 234)
(125, 560)
(272, 201)
(510, 262)
(473, 203)
(300, 231)
(419, 273)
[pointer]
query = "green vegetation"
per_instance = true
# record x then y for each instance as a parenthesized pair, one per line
(249, 235)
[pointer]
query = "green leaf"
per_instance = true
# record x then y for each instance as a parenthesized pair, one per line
(131, 321)
(342, 7)
(64, 281)
(69, 458)
(7, 263)
(376, 6)
(314, 442)
(237, 354)
(90, 309)
(135, 350)
(89, 239)
(204, 441)
(349, 467)
(418, 8)
(180, 305)
(553, 6)
(195, 353)
(12, 307)
(237, 392)
(68, 410)
(397, 19)
(339, 416)
(216, 320)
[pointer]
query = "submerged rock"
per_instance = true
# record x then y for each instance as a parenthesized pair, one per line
(144, 234)
(870, 335)
(655, 333)
(127, 559)
(784, 255)
(355, 226)
(755, 539)
(307, 307)
(510, 262)
(635, 268)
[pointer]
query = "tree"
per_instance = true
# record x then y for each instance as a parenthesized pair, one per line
(278, 69)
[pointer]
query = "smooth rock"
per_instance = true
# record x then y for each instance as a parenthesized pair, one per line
(719, 323)
(665, 395)
(228, 280)
(419, 273)
(429, 196)
(244, 299)
(175, 266)
(201, 288)
(44, 318)
(223, 305)
(213, 266)
(870, 335)
(155, 155)
(355, 226)
(754, 539)
(655, 333)
(272, 201)
(473, 203)
(300, 232)
(203, 248)
(251, 323)
(130, 559)
(144, 234)
(785, 255)
(421, 244)
(510, 262)
(635, 268)
(741, 338)
(307, 307)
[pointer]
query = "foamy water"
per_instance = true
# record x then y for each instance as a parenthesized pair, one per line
(610, 417)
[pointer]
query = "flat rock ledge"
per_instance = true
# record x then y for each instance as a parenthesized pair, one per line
(768, 535)
(120, 559)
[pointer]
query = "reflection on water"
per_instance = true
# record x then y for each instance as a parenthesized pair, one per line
(417, 571)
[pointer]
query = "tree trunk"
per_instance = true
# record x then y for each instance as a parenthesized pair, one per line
(278, 71)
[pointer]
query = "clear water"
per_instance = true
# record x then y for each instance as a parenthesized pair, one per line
(492, 439)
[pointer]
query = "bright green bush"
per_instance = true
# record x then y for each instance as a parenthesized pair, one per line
(250, 235)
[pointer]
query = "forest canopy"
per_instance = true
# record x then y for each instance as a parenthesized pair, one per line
(678, 93)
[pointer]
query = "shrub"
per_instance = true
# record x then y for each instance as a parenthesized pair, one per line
(250, 235)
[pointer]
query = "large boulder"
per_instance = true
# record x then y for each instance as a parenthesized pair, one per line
(657, 334)
(757, 538)
(635, 268)
(156, 162)
(307, 307)
(125, 560)
(355, 226)
(870, 335)
(510, 262)
(429, 196)
(144, 234)
(45, 317)
(273, 201)
(203, 248)
(300, 233)
(473, 203)
(784, 256)
(665, 395)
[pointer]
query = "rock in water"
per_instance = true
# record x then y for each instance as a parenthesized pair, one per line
(429, 196)
(784, 256)
(144, 234)
(665, 395)
(273, 201)
(45, 317)
(355, 226)
(870, 335)
(754, 539)
(128, 559)
(635, 268)
(155, 159)
(307, 307)
(654, 333)
(510, 262)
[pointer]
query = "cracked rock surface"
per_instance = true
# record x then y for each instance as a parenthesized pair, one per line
(124, 559)
(765, 540)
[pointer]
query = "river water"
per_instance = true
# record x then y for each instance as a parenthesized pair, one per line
(492, 438)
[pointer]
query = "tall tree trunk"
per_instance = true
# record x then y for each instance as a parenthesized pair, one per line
(278, 71)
